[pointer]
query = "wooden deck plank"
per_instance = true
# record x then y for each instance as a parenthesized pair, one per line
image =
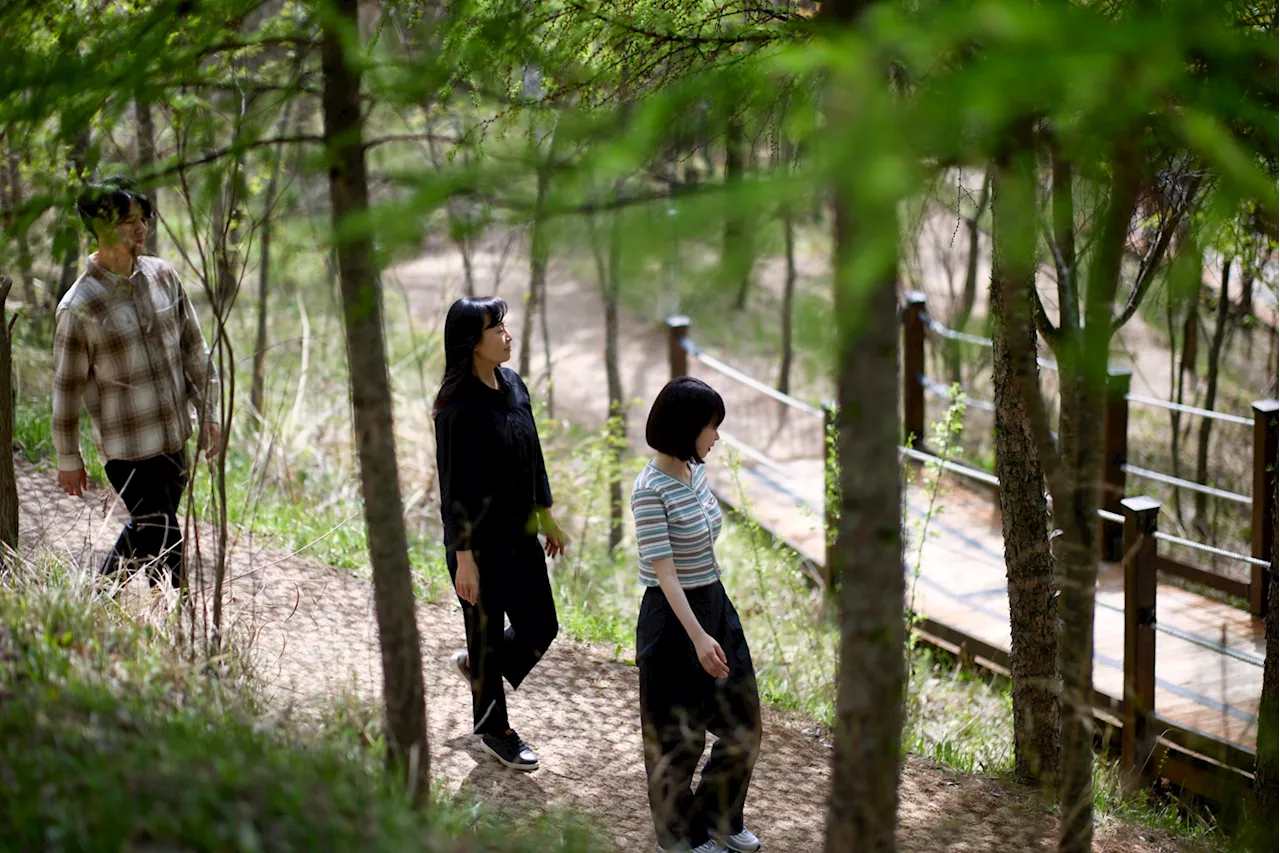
(961, 582)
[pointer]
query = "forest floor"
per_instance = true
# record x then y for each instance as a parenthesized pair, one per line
(310, 635)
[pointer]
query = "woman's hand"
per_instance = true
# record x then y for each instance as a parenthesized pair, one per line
(467, 578)
(556, 538)
(711, 656)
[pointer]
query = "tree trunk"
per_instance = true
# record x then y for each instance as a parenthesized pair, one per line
(8, 482)
(257, 393)
(1177, 377)
(24, 246)
(788, 299)
(71, 231)
(1266, 773)
(1211, 397)
(147, 160)
(1076, 498)
(1245, 308)
(609, 272)
(867, 552)
(969, 296)
(538, 252)
(1023, 508)
(736, 261)
(402, 683)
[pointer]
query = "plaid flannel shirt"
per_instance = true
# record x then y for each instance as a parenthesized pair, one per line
(130, 348)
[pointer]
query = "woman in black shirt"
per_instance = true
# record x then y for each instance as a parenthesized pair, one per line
(494, 500)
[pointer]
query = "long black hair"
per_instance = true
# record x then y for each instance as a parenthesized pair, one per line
(464, 325)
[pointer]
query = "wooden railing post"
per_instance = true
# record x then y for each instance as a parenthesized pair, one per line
(913, 333)
(1265, 416)
(830, 493)
(677, 331)
(1115, 455)
(1139, 700)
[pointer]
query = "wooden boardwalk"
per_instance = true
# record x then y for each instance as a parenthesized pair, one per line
(1208, 654)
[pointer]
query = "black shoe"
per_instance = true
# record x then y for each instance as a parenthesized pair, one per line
(510, 750)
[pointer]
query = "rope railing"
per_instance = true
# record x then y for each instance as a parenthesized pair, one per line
(948, 465)
(1190, 410)
(952, 335)
(798, 437)
(1190, 486)
(755, 384)
(1210, 549)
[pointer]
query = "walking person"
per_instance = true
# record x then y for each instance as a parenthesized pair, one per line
(128, 346)
(696, 673)
(494, 500)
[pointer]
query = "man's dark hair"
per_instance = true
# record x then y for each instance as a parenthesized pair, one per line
(108, 201)
(683, 409)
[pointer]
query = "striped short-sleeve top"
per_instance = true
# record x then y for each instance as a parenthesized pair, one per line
(678, 520)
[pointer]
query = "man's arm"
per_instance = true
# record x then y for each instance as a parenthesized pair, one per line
(70, 372)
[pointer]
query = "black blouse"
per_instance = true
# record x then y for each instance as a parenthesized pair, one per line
(489, 461)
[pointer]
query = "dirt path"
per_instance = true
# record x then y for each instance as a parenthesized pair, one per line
(314, 643)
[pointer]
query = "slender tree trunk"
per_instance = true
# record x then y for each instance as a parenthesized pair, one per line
(867, 553)
(1245, 307)
(1211, 397)
(613, 369)
(608, 269)
(1266, 773)
(538, 253)
(1076, 500)
(257, 393)
(737, 261)
(72, 229)
(1177, 374)
(24, 246)
(402, 683)
(147, 160)
(969, 296)
(1023, 508)
(788, 299)
(8, 483)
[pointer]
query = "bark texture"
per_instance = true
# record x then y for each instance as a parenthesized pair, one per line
(867, 553)
(393, 594)
(1023, 508)
(8, 483)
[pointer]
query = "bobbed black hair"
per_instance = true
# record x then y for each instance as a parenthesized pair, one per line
(683, 409)
(108, 201)
(464, 325)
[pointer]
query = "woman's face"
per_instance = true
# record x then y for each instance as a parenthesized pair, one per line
(706, 440)
(495, 345)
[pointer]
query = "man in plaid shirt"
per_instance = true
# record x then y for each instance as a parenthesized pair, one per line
(129, 346)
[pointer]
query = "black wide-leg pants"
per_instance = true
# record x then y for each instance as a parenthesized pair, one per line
(151, 489)
(514, 583)
(680, 703)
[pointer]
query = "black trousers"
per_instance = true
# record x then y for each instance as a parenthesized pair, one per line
(151, 489)
(514, 583)
(680, 703)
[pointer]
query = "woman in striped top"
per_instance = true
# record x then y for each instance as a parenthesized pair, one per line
(696, 673)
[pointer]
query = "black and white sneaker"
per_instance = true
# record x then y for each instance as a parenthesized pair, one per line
(510, 750)
(740, 842)
(462, 665)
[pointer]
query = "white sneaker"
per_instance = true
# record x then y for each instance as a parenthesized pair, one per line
(707, 846)
(741, 842)
(462, 666)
